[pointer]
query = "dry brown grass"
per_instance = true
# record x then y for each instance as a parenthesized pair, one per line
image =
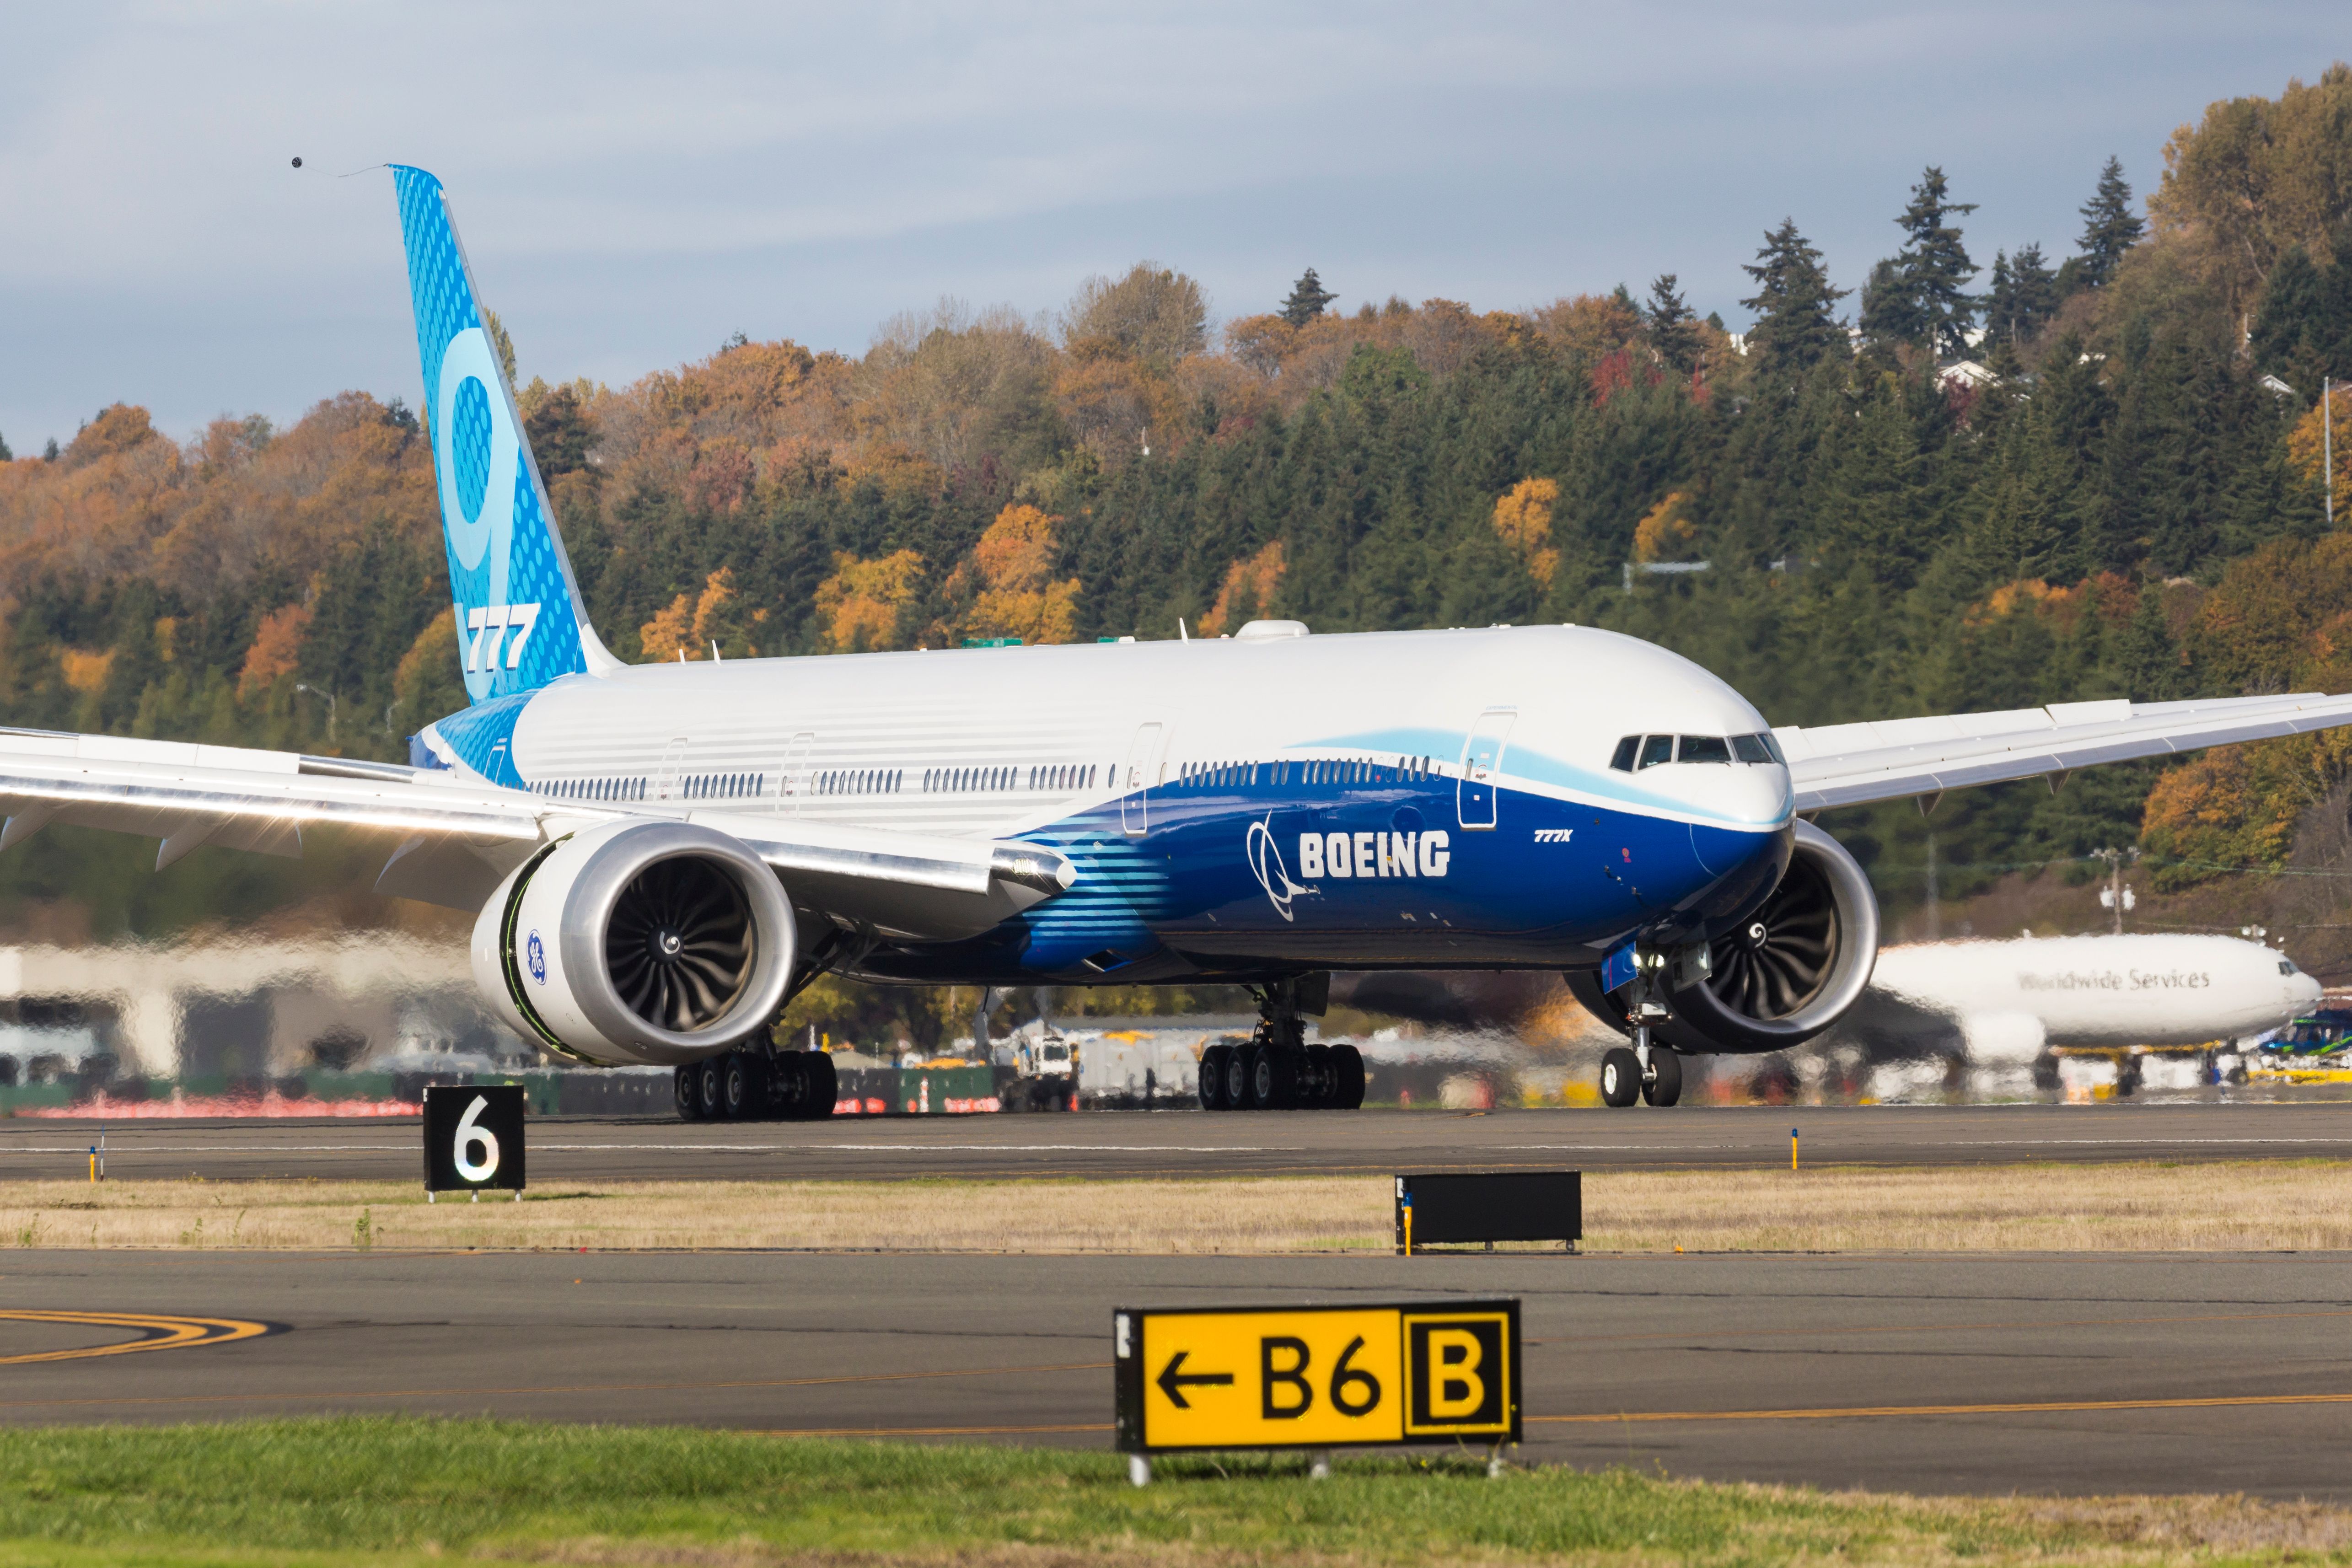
(2262, 1205)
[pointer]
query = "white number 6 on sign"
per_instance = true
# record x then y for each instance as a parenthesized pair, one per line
(468, 1135)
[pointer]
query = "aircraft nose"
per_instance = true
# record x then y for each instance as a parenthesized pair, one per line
(2303, 990)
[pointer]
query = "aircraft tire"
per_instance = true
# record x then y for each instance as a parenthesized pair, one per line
(1348, 1077)
(711, 1087)
(1273, 1078)
(1317, 1088)
(1666, 1088)
(1212, 1077)
(741, 1092)
(1621, 1076)
(1237, 1077)
(688, 1087)
(824, 1090)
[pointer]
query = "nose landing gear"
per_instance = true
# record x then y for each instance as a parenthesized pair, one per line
(1646, 1071)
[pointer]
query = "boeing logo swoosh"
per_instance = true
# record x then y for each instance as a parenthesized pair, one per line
(1265, 862)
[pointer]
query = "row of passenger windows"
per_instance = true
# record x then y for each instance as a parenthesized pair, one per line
(1242, 775)
(858, 781)
(1080, 775)
(593, 789)
(1637, 752)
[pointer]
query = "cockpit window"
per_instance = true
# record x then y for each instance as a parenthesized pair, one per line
(2286, 966)
(1636, 751)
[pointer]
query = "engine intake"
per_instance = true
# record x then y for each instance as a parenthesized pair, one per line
(640, 943)
(1781, 975)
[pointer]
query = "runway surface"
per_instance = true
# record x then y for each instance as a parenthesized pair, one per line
(1979, 1373)
(1194, 1144)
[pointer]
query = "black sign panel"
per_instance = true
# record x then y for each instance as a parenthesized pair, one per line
(473, 1138)
(1507, 1206)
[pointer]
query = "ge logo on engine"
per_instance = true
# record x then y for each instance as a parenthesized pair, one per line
(534, 953)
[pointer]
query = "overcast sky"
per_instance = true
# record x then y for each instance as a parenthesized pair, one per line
(636, 182)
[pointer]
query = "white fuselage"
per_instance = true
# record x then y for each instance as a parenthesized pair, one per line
(2013, 999)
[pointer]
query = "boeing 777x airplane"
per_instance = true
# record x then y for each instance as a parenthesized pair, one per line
(661, 854)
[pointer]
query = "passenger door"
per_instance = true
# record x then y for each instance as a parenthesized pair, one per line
(673, 758)
(1481, 761)
(791, 788)
(1135, 778)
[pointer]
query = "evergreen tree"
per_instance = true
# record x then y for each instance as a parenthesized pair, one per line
(1308, 300)
(1927, 299)
(2110, 227)
(1674, 337)
(2024, 296)
(2303, 331)
(1793, 303)
(5, 455)
(49, 452)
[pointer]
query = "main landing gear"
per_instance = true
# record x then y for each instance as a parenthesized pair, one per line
(1275, 1069)
(758, 1083)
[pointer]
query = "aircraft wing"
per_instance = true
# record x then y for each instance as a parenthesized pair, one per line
(1854, 764)
(453, 841)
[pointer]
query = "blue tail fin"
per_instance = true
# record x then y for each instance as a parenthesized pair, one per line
(520, 622)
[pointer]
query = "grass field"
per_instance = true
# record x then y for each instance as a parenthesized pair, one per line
(404, 1490)
(2260, 1205)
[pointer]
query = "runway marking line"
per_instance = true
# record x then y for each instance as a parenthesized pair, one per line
(562, 1388)
(2041, 1407)
(157, 1333)
(1932, 1328)
(918, 1431)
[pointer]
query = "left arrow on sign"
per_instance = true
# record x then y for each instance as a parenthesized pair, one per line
(1174, 1381)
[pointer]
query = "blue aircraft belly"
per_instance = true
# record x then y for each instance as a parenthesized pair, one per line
(1218, 882)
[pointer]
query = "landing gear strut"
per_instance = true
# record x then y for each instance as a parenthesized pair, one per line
(1276, 1069)
(758, 1083)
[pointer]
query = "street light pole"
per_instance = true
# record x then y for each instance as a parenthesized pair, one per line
(321, 691)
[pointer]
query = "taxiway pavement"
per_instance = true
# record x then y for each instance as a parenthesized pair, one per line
(1197, 1143)
(1940, 1374)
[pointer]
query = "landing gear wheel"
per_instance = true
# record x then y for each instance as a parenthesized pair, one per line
(1237, 1077)
(711, 1087)
(1347, 1078)
(1665, 1087)
(1212, 1077)
(823, 1086)
(1621, 1076)
(1273, 1078)
(688, 1088)
(742, 1088)
(1316, 1088)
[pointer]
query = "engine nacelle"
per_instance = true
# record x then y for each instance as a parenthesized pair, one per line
(641, 943)
(1781, 976)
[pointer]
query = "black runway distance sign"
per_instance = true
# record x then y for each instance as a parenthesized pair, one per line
(473, 1138)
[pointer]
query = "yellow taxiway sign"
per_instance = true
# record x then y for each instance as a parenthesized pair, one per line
(1317, 1377)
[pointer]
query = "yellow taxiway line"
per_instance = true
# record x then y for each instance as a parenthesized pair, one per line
(156, 1332)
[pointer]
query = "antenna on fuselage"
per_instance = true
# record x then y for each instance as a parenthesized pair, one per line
(1181, 635)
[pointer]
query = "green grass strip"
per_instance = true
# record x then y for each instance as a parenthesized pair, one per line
(401, 1489)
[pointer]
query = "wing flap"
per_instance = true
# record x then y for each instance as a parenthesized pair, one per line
(456, 840)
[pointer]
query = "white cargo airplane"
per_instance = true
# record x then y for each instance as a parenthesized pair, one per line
(2012, 1000)
(660, 854)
